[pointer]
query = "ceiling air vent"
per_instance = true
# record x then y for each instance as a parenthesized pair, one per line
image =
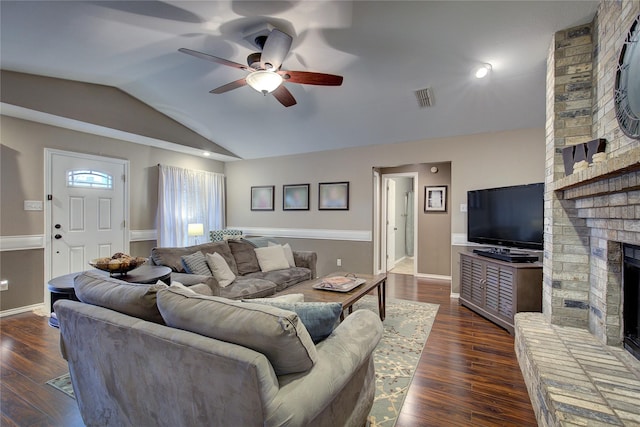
(425, 97)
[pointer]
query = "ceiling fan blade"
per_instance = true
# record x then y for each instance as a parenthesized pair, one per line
(311, 78)
(229, 86)
(214, 59)
(275, 49)
(283, 95)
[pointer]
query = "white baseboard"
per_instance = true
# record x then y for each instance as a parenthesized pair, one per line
(433, 276)
(20, 310)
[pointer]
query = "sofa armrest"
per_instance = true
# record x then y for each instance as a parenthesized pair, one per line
(194, 279)
(307, 259)
(340, 357)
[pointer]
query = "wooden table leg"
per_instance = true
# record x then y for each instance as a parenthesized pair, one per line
(382, 299)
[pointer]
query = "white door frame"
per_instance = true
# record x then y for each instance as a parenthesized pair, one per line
(382, 206)
(48, 228)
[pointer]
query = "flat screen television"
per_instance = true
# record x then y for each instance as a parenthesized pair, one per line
(507, 216)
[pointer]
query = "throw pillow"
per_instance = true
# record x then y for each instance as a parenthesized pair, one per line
(288, 253)
(181, 286)
(245, 256)
(196, 264)
(320, 318)
(276, 333)
(271, 258)
(133, 299)
(220, 269)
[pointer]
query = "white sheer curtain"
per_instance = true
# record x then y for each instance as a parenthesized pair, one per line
(185, 197)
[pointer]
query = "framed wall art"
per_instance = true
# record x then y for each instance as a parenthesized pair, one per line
(295, 197)
(435, 199)
(262, 198)
(333, 196)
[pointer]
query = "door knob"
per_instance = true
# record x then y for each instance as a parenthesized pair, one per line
(57, 236)
(57, 226)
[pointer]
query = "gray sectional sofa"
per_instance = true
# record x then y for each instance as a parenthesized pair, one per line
(143, 355)
(240, 256)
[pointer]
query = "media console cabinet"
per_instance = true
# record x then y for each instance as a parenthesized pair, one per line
(497, 290)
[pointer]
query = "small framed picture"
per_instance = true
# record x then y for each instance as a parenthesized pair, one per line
(295, 197)
(333, 196)
(262, 198)
(435, 199)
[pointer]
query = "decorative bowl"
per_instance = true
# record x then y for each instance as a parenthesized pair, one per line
(121, 265)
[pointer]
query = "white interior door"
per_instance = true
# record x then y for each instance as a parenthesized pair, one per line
(88, 210)
(391, 223)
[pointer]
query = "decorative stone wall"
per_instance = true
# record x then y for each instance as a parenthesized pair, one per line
(589, 214)
(569, 122)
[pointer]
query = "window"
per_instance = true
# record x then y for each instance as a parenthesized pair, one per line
(89, 179)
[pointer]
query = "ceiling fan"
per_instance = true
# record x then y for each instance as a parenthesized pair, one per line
(265, 74)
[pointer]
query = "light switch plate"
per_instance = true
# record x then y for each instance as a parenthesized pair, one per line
(463, 207)
(33, 205)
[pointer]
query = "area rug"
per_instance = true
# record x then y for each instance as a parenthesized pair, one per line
(406, 329)
(63, 383)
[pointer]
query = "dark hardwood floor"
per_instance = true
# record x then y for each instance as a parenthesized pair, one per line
(468, 374)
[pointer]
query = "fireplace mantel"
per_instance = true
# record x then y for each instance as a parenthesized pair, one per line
(602, 178)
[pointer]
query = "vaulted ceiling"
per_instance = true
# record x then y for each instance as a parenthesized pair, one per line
(385, 51)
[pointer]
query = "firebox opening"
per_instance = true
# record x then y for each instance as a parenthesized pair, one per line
(631, 300)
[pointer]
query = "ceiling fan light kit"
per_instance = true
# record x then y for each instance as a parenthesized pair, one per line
(264, 81)
(483, 71)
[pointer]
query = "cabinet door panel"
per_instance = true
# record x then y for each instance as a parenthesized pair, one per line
(505, 305)
(492, 294)
(477, 278)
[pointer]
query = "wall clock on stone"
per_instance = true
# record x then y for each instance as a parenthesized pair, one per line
(627, 89)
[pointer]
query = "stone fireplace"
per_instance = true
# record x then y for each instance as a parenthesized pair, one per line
(572, 355)
(589, 214)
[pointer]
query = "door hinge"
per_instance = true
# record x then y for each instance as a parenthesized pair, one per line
(49, 196)
(124, 178)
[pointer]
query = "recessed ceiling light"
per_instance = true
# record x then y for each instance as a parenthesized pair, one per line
(206, 154)
(483, 71)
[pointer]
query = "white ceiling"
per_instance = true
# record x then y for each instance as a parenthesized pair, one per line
(384, 50)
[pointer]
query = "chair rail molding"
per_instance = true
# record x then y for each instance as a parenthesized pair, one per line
(37, 241)
(21, 243)
(307, 233)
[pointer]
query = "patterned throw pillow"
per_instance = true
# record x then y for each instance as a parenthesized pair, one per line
(196, 264)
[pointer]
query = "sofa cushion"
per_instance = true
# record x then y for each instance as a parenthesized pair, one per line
(276, 333)
(134, 299)
(220, 269)
(245, 256)
(196, 263)
(319, 318)
(283, 278)
(248, 287)
(271, 258)
(171, 257)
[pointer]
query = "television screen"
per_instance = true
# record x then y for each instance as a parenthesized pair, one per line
(507, 216)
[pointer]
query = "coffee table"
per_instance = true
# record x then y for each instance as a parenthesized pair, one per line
(347, 299)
